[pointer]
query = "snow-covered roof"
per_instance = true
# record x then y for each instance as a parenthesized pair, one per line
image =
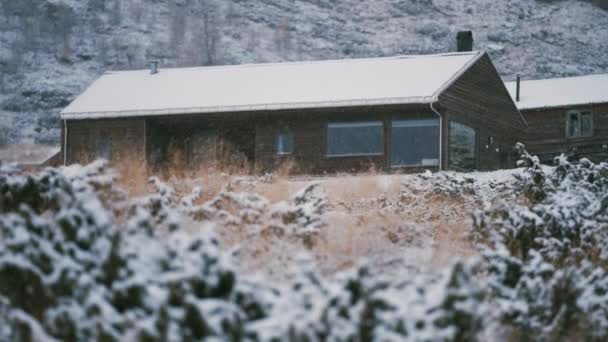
(334, 83)
(561, 92)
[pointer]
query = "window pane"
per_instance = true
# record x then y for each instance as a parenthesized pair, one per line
(586, 124)
(462, 147)
(358, 138)
(415, 142)
(284, 143)
(103, 147)
(573, 125)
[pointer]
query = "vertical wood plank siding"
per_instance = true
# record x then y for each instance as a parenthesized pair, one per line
(127, 137)
(309, 128)
(546, 136)
(480, 100)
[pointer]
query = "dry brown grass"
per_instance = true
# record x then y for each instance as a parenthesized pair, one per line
(370, 216)
(133, 174)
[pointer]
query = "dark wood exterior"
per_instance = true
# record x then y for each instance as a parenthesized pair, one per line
(547, 138)
(310, 138)
(478, 98)
(127, 136)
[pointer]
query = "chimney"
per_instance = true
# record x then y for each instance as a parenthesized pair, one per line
(517, 87)
(464, 41)
(154, 67)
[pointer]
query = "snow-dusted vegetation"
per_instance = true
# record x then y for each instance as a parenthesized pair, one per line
(80, 259)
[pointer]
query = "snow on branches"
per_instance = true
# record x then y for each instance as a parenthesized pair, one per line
(79, 260)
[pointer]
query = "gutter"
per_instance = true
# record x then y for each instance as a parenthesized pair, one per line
(248, 108)
(435, 98)
(440, 135)
(65, 142)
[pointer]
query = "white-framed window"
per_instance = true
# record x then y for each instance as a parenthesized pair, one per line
(284, 142)
(414, 142)
(363, 138)
(579, 124)
(103, 147)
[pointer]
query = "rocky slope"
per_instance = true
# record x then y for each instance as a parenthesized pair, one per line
(50, 50)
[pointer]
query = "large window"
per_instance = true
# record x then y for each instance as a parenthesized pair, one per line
(415, 142)
(103, 147)
(462, 147)
(355, 138)
(284, 142)
(579, 124)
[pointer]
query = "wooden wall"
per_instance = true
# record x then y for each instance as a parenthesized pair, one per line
(197, 142)
(546, 136)
(480, 100)
(127, 135)
(309, 127)
(310, 141)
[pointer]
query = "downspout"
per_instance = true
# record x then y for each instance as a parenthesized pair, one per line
(440, 135)
(65, 142)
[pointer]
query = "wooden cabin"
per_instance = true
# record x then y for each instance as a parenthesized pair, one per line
(565, 115)
(403, 113)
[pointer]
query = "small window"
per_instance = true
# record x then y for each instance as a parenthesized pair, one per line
(579, 124)
(103, 147)
(355, 139)
(414, 142)
(284, 142)
(462, 147)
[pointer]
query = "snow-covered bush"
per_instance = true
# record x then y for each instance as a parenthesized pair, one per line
(546, 260)
(74, 268)
(540, 301)
(363, 306)
(69, 271)
(532, 181)
(569, 225)
(79, 260)
(299, 217)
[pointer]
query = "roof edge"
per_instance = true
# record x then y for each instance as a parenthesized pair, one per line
(560, 78)
(579, 104)
(457, 75)
(261, 107)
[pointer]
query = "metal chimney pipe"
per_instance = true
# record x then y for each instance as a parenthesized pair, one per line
(517, 88)
(154, 67)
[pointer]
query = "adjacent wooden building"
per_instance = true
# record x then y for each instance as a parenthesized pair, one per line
(403, 113)
(565, 116)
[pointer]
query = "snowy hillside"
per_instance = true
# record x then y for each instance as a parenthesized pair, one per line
(50, 50)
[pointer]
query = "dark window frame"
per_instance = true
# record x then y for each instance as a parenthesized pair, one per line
(376, 123)
(282, 133)
(579, 113)
(390, 140)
